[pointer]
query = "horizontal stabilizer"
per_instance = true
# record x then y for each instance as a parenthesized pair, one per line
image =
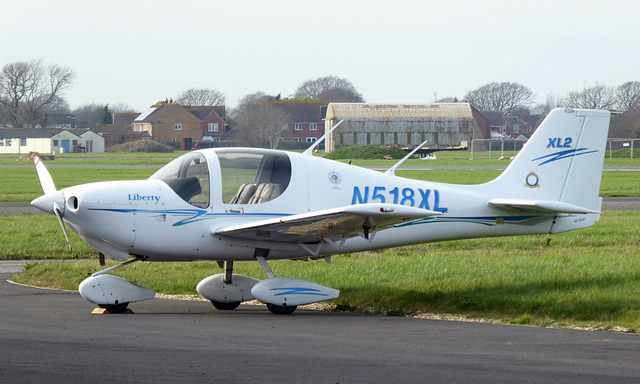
(312, 227)
(538, 206)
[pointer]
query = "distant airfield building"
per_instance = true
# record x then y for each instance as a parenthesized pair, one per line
(49, 140)
(445, 126)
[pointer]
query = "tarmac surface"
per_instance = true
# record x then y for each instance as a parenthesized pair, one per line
(51, 336)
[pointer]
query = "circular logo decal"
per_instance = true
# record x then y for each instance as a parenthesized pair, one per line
(531, 181)
(335, 177)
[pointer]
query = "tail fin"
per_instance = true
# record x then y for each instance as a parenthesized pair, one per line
(560, 167)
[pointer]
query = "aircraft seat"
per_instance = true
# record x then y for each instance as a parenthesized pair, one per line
(245, 193)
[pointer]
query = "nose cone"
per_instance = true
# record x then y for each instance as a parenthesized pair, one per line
(45, 203)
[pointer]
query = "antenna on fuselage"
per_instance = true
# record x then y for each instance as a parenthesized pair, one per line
(391, 171)
(309, 151)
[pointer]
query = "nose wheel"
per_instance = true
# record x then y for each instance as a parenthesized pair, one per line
(114, 308)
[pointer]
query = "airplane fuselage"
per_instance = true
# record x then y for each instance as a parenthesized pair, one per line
(148, 218)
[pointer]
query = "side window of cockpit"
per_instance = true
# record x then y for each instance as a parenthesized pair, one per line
(198, 172)
(188, 176)
(253, 177)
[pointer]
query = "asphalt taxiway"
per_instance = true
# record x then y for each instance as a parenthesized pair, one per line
(51, 336)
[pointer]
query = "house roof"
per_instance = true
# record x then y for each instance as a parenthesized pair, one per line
(514, 120)
(203, 111)
(302, 112)
(154, 112)
(358, 111)
(113, 128)
(124, 118)
(32, 133)
(495, 117)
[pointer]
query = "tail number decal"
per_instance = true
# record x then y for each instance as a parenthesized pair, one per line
(406, 196)
(559, 142)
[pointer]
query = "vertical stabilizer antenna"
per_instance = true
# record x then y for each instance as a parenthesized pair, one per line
(309, 151)
(392, 171)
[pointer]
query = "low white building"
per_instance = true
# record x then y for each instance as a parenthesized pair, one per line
(48, 140)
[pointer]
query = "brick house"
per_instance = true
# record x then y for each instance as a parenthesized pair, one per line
(306, 120)
(213, 121)
(511, 126)
(171, 122)
(120, 131)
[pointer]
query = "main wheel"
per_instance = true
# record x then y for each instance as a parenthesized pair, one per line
(114, 308)
(280, 310)
(225, 306)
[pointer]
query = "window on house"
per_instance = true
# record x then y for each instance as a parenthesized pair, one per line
(23, 141)
(1, 142)
(297, 140)
(74, 142)
(213, 127)
(55, 143)
(313, 126)
(311, 139)
(8, 142)
(298, 126)
(177, 127)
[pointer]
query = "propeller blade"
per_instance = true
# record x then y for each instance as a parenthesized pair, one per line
(45, 177)
(58, 211)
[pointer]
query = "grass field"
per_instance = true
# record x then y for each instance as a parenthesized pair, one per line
(588, 278)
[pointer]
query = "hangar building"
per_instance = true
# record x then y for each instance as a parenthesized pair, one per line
(446, 126)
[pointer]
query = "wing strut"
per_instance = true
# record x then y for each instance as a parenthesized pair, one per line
(391, 171)
(309, 151)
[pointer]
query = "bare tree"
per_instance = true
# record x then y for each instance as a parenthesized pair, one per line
(340, 94)
(200, 97)
(314, 88)
(502, 97)
(597, 97)
(259, 122)
(27, 88)
(122, 108)
(628, 95)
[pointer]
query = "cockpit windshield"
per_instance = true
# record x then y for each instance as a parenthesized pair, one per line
(253, 176)
(188, 176)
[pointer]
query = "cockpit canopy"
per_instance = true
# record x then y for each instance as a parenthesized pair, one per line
(248, 176)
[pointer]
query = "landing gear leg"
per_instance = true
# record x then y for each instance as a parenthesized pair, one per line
(275, 309)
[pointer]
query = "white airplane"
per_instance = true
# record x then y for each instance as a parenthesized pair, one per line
(248, 204)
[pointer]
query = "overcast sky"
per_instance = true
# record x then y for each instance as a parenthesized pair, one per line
(138, 52)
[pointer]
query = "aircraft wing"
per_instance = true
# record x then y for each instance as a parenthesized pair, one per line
(337, 223)
(538, 206)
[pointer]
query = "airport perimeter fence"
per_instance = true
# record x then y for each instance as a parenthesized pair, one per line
(483, 149)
